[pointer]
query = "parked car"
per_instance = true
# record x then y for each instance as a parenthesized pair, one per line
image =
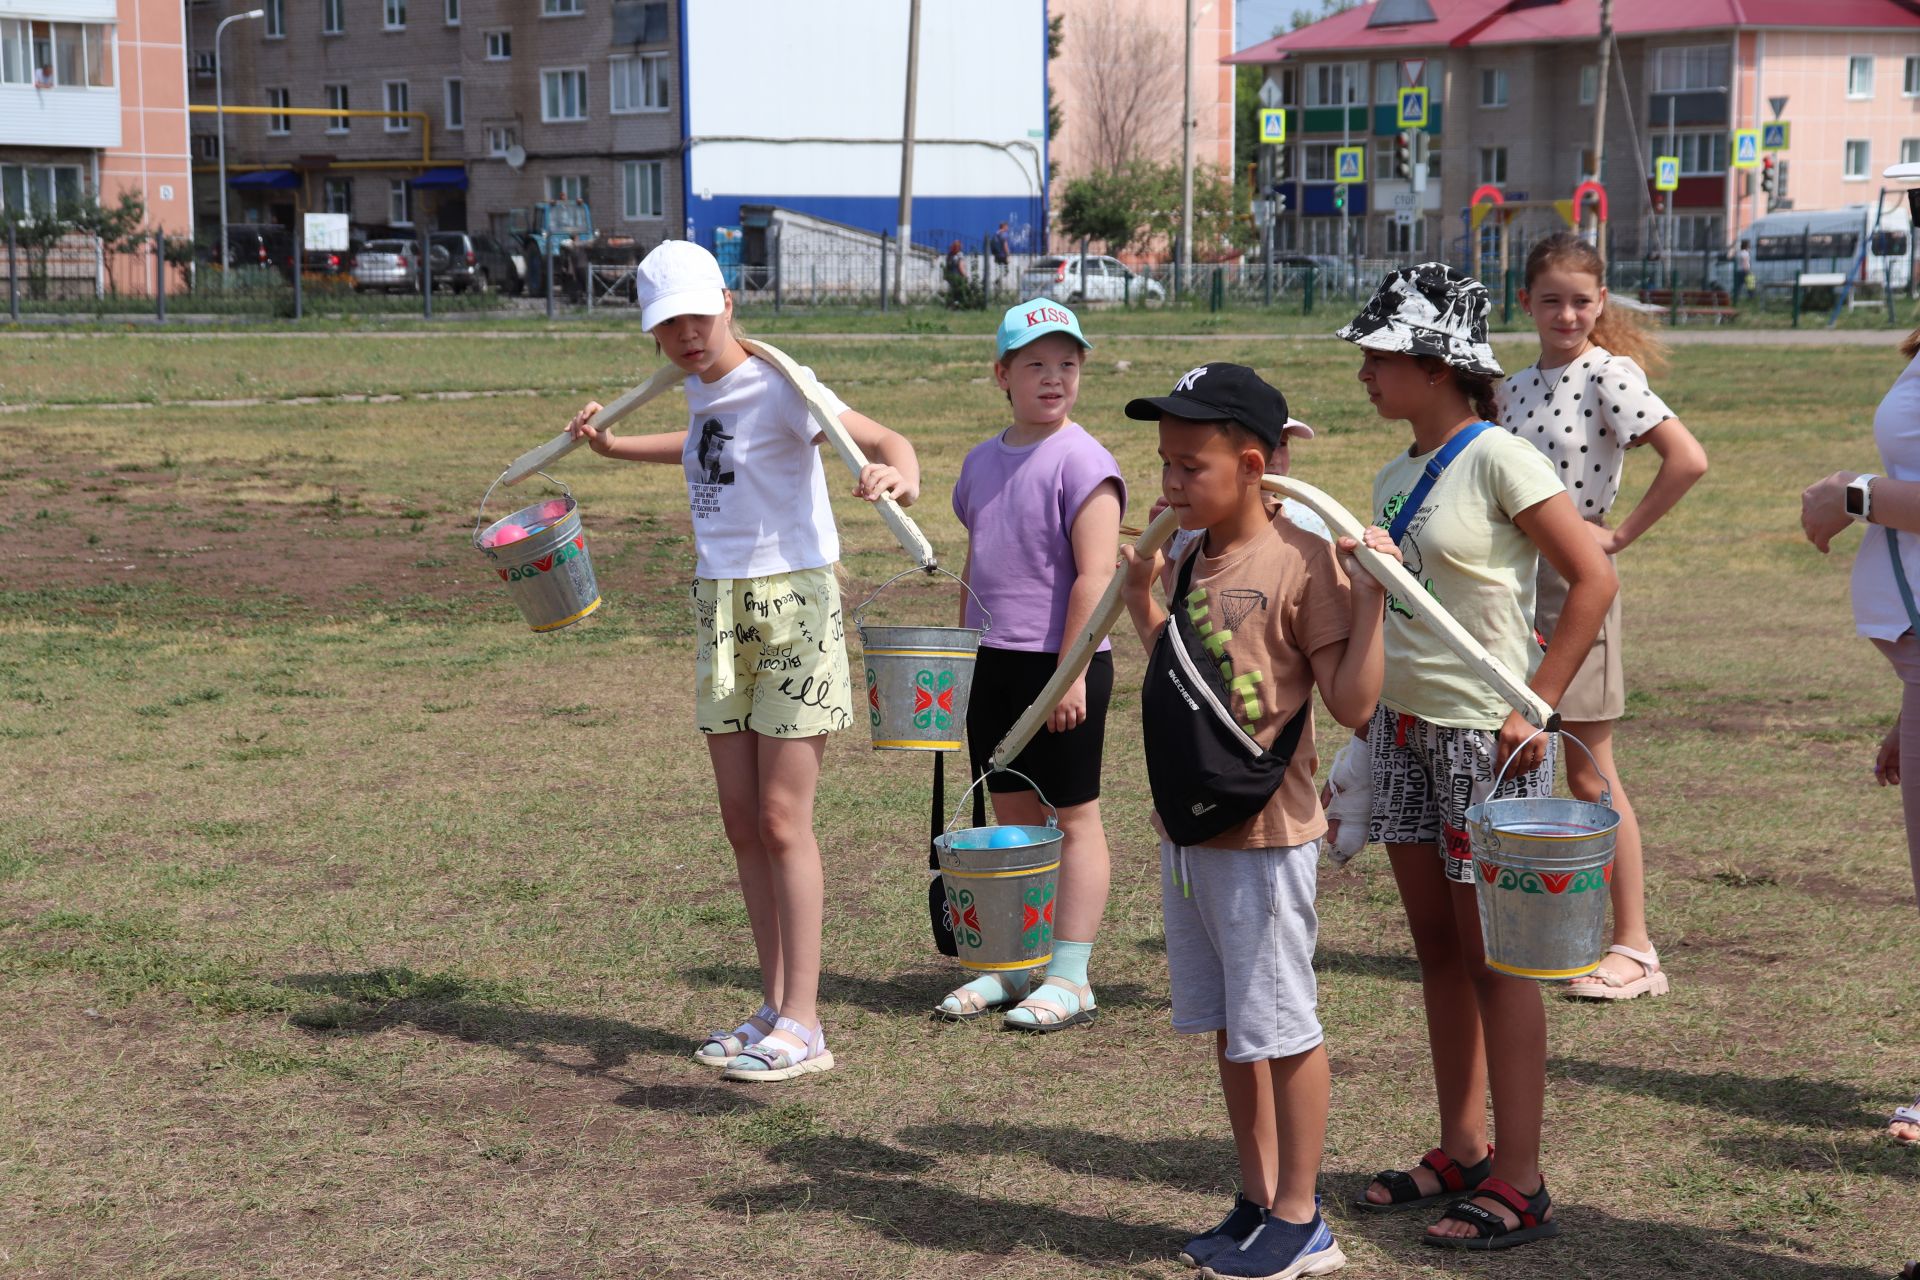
(249, 245)
(1331, 274)
(392, 265)
(1108, 280)
(462, 262)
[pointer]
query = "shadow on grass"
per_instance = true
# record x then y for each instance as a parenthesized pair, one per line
(1594, 1243)
(1187, 1164)
(909, 995)
(1782, 1100)
(1821, 1153)
(717, 1099)
(872, 1184)
(1364, 964)
(479, 1012)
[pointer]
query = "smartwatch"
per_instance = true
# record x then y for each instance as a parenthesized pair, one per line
(1860, 498)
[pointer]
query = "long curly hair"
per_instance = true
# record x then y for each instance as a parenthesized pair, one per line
(1618, 330)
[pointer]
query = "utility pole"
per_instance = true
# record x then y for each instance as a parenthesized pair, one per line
(1600, 112)
(1186, 156)
(905, 220)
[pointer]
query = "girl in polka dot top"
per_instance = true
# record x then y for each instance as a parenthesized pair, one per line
(1584, 403)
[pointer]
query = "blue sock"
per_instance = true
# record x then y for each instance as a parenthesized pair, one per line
(1069, 963)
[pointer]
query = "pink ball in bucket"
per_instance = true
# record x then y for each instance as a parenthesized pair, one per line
(554, 510)
(506, 533)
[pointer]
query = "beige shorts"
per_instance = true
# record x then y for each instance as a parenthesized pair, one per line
(772, 655)
(1599, 688)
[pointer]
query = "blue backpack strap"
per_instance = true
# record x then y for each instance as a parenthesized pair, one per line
(1435, 465)
(1900, 576)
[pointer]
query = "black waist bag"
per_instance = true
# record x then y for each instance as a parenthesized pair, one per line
(1206, 772)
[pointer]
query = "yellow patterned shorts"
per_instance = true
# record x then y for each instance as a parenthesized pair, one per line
(773, 655)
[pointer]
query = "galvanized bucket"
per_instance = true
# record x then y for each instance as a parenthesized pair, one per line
(548, 572)
(1542, 870)
(918, 678)
(1000, 900)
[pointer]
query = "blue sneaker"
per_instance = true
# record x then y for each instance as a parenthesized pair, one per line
(1280, 1250)
(1228, 1232)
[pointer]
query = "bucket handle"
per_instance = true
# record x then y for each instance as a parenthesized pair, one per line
(481, 515)
(1606, 784)
(932, 568)
(1053, 819)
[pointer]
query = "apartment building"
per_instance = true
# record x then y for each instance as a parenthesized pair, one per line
(93, 99)
(483, 107)
(1515, 86)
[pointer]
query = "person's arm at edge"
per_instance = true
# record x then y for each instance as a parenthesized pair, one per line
(893, 468)
(1095, 529)
(1682, 464)
(663, 447)
(1823, 506)
(1556, 529)
(1137, 590)
(1349, 672)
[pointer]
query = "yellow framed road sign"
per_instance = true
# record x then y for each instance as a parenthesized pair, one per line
(1413, 107)
(1746, 148)
(1349, 164)
(1273, 124)
(1666, 173)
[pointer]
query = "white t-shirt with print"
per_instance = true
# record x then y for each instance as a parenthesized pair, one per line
(1463, 546)
(1582, 417)
(1878, 611)
(755, 482)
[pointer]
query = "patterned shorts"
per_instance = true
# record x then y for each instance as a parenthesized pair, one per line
(772, 655)
(1425, 778)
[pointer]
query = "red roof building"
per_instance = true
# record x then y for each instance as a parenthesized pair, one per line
(1513, 86)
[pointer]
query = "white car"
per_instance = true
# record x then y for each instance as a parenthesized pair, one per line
(1108, 280)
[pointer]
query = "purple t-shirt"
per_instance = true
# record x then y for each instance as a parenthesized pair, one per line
(1018, 506)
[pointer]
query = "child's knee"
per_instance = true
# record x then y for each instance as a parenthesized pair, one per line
(783, 828)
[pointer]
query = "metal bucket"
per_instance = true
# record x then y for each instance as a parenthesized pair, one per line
(548, 573)
(1000, 901)
(918, 679)
(1543, 867)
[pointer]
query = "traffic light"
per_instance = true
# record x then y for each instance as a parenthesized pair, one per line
(1403, 155)
(1660, 202)
(1766, 174)
(1339, 196)
(1279, 201)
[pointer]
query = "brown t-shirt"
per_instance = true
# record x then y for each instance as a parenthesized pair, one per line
(1279, 598)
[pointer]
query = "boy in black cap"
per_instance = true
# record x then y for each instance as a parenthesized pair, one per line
(1262, 613)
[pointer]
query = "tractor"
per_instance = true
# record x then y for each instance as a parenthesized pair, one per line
(566, 227)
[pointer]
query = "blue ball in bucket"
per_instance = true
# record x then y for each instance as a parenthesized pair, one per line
(1007, 838)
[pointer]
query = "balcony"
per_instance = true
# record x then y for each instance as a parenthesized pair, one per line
(80, 117)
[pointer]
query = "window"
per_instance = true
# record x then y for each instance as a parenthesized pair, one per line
(337, 99)
(456, 118)
(1493, 165)
(1493, 87)
(31, 189)
(396, 14)
(1858, 161)
(399, 202)
(1334, 84)
(1860, 77)
(1690, 68)
(639, 84)
(499, 46)
(1406, 239)
(280, 125)
(1910, 82)
(1697, 233)
(202, 62)
(500, 139)
(453, 13)
(1316, 161)
(206, 146)
(570, 186)
(99, 49)
(562, 8)
(276, 19)
(640, 190)
(15, 67)
(333, 17)
(336, 194)
(1700, 153)
(1910, 151)
(564, 95)
(1589, 84)
(398, 99)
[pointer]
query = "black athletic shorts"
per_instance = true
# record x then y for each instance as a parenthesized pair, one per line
(1065, 766)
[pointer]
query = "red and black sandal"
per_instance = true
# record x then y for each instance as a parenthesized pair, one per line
(1491, 1230)
(1405, 1192)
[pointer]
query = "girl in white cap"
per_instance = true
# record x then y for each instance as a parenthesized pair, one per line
(1472, 509)
(771, 671)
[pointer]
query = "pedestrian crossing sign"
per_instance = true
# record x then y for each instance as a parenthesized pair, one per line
(1746, 148)
(1273, 124)
(1413, 108)
(1773, 136)
(1666, 173)
(1349, 164)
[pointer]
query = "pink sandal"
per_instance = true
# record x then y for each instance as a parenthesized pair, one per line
(1603, 984)
(771, 1060)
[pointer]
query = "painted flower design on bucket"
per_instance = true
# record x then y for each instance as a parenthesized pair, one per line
(1548, 882)
(1036, 917)
(933, 700)
(873, 700)
(963, 917)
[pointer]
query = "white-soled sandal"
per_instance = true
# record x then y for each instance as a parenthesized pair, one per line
(722, 1047)
(771, 1061)
(1603, 984)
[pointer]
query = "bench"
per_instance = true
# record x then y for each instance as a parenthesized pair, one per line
(1715, 304)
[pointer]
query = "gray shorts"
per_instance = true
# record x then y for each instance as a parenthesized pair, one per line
(1425, 778)
(1240, 934)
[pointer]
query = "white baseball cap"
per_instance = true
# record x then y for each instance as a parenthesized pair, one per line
(679, 278)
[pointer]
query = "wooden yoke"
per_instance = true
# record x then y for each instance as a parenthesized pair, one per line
(563, 444)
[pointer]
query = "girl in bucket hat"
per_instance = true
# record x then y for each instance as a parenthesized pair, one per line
(1472, 535)
(765, 590)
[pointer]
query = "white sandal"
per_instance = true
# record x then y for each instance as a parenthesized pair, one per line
(1604, 984)
(731, 1044)
(771, 1061)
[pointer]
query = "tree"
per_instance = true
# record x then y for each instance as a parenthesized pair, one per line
(1138, 205)
(1112, 206)
(1127, 88)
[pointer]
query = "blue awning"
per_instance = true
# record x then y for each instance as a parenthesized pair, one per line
(277, 178)
(454, 179)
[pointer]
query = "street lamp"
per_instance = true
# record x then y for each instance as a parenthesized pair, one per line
(220, 122)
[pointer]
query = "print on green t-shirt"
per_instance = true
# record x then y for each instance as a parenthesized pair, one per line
(1409, 550)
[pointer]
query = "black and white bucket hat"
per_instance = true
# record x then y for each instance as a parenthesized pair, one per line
(1428, 310)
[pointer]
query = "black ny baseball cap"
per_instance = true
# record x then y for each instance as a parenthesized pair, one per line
(1223, 392)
